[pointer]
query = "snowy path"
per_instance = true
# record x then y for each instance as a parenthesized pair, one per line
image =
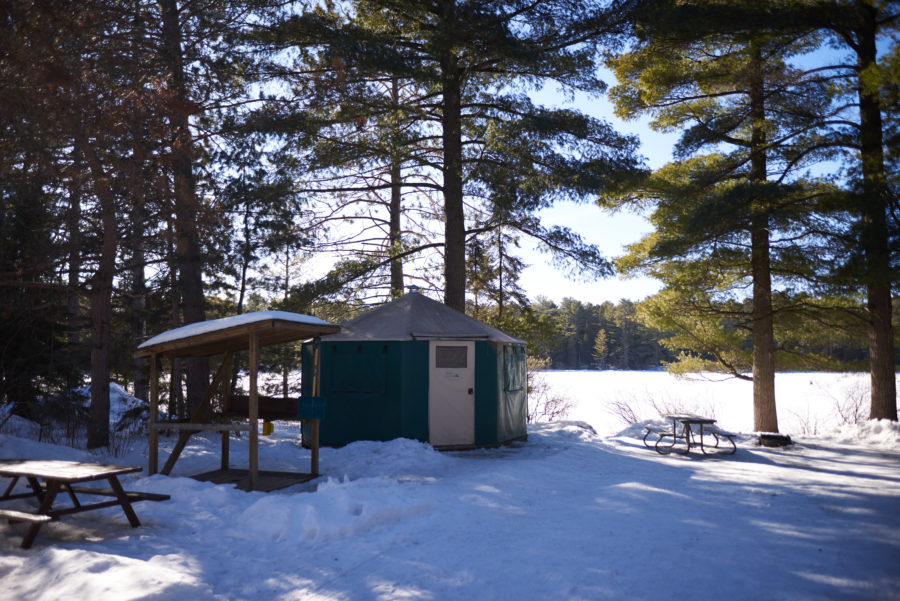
(567, 515)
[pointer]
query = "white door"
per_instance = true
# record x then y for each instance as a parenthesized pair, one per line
(451, 393)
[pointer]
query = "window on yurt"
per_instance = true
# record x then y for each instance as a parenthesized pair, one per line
(514, 376)
(451, 357)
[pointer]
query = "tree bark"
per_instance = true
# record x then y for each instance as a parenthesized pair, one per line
(394, 232)
(187, 207)
(101, 300)
(73, 225)
(176, 393)
(874, 234)
(138, 307)
(286, 348)
(765, 416)
(454, 215)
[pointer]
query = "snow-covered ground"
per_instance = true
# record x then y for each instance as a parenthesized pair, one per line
(569, 514)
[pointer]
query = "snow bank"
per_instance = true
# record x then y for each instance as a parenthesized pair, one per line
(127, 415)
(881, 433)
(340, 509)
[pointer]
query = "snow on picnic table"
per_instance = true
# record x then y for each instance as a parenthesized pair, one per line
(566, 515)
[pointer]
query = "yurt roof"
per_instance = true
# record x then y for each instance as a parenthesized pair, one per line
(414, 316)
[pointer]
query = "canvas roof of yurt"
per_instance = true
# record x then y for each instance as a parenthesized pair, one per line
(414, 316)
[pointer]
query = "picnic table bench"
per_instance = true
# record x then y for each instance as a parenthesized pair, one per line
(47, 478)
(705, 426)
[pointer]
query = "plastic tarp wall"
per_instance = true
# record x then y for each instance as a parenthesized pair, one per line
(500, 392)
(513, 406)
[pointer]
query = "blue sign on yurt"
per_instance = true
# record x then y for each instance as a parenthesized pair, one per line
(415, 368)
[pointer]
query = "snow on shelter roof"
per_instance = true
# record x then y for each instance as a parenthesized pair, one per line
(217, 336)
(414, 316)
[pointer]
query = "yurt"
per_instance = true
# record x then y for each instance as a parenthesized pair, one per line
(415, 368)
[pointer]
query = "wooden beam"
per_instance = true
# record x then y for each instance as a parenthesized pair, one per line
(153, 441)
(185, 434)
(200, 427)
(253, 410)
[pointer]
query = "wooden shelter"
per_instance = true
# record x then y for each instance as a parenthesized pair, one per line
(226, 336)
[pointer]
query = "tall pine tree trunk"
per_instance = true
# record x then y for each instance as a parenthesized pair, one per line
(101, 300)
(246, 256)
(139, 295)
(187, 207)
(176, 393)
(394, 233)
(874, 236)
(138, 307)
(765, 416)
(500, 260)
(286, 350)
(454, 215)
(73, 225)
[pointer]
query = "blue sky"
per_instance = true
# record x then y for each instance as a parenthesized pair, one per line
(610, 232)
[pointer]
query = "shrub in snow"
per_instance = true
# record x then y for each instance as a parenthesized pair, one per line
(544, 405)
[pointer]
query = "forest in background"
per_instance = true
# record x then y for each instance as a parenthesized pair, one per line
(166, 162)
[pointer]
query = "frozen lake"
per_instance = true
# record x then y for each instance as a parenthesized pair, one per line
(807, 402)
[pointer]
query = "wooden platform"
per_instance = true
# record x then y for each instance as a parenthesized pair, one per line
(267, 481)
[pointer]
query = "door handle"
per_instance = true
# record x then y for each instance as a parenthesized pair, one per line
(471, 390)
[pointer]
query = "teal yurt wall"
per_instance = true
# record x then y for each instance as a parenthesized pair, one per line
(371, 390)
(375, 376)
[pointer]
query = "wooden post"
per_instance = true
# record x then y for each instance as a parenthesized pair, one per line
(253, 409)
(153, 442)
(226, 382)
(228, 361)
(314, 444)
(226, 442)
(197, 417)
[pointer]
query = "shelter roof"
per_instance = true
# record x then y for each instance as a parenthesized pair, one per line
(217, 336)
(414, 316)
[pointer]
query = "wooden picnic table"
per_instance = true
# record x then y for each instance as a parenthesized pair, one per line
(46, 478)
(705, 426)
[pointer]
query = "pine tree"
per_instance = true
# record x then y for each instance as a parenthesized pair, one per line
(87, 85)
(859, 25)
(601, 348)
(721, 218)
(471, 64)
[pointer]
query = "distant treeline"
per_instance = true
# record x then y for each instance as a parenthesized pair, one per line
(578, 335)
(604, 336)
